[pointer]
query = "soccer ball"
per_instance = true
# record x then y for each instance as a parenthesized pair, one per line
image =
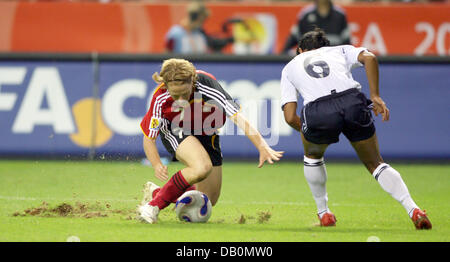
(193, 206)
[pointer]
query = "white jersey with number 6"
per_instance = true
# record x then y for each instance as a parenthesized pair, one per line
(319, 72)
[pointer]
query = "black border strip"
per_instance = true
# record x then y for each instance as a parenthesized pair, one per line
(122, 57)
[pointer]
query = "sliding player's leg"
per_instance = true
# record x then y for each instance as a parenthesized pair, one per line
(389, 179)
(192, 154)
(212, 184)
(198, 166)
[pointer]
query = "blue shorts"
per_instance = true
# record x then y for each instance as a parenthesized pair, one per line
(347, 112)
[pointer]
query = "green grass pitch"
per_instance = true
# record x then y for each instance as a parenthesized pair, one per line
(95, 201)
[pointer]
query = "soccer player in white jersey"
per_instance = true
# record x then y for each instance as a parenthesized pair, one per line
(333, 104)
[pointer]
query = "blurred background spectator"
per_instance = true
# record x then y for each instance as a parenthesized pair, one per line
(325, 15)
(190, 37)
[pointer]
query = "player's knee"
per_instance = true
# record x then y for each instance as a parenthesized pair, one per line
(314, 154)
(314, 151)
(202, 170)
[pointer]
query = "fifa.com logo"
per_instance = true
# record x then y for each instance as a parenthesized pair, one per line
(40, 97)
(207, 118)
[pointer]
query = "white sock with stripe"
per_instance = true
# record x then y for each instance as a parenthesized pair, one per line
(391, 181)
(316, 175)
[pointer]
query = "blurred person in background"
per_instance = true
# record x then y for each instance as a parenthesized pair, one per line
(189, 37)
(322, 14)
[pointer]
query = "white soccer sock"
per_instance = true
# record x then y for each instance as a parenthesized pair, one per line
(316, 175)
(391, 181)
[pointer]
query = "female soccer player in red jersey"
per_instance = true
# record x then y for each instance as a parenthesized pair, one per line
(186, 110)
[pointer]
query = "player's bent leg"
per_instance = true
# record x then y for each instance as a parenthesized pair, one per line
(198, 163)
(316, 175)
(211, 185)
(389, 179)
(198, 166)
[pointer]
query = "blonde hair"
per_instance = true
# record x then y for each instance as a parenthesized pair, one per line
(176, 70)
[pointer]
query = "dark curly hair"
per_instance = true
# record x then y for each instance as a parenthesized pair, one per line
(313, 40)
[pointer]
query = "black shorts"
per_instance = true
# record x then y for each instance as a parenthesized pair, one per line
(210, 143)
(348, 112)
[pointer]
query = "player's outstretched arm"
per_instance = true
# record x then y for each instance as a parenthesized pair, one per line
(370, 62)
(266, 153)
(152, 154)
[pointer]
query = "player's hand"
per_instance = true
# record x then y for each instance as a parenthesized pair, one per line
(268, 154)
(379, 107)
(161, 172)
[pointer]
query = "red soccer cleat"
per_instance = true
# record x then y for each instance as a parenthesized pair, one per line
(327, 220)
(420, 219)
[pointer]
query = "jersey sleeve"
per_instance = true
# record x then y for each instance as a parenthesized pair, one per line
(351, 55)
(211, 88)
(288, 91)
(152, 120)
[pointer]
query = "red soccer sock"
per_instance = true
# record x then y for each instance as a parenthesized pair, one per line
(156, 191)
(169, 193)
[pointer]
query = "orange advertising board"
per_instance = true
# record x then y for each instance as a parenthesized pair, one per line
(392, 29)
(402, 29)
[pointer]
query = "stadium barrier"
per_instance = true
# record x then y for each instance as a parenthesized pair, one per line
(140, 27)
(90, 105)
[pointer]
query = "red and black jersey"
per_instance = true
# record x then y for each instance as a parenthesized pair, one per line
(209, 106)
